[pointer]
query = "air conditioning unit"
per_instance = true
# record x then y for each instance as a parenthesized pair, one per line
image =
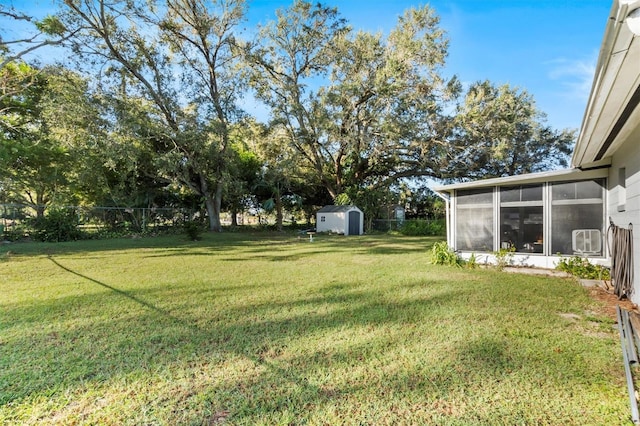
(586, 241)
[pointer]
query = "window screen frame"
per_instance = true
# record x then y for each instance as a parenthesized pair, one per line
(547, 202)
(488, 203)
(571, 204)
(524, 238)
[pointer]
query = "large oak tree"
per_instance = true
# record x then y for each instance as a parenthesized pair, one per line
(499, 131)
(363, 110)
(171, 67)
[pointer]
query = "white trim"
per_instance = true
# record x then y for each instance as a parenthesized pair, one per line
(542, 177)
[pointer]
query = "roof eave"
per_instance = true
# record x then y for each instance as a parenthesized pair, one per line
(615, 92)
(599, 170)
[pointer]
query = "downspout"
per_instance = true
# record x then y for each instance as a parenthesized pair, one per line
(448, 219)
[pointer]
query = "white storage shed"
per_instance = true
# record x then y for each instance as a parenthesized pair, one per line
(347, 220)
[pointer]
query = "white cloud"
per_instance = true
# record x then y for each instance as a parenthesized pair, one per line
(574, 75)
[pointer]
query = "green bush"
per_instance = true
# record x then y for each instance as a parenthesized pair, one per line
(15, 233)
(504, 257)
(472, 262)
(419, 228)
(193, 229)
(442, 254)
(58, 224)
(582, 268)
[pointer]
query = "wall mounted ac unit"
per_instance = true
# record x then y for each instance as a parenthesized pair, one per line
(586, 241)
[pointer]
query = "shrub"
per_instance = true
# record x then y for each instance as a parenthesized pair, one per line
(58, 224)
(14, 233)
(416, 228)
(193, 229)
(582, 268)
(472, 262)
(442, 254)
(504, 257)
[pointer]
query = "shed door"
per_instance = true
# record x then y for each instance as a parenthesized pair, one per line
(354, 223)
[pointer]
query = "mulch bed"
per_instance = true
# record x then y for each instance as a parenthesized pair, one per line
(609, 301)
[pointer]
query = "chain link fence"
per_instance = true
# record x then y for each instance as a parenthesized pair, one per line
(17, 221)
(411, 226)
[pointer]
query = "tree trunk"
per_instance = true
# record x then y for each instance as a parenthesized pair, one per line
(234, 217)
(214, 203)
(279, 214)
(210, 202)
(39, 211)
(40, 205)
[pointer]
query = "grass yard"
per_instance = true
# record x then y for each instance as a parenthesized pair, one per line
(266, 329)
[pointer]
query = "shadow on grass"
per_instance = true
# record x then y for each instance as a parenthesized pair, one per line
(59, 353)
(115, 290)
(178, 245)
(121, 333)
(173, 244)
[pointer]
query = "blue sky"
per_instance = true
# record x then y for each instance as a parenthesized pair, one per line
(547, 47)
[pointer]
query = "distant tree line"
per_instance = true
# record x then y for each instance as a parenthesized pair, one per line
(148, 111)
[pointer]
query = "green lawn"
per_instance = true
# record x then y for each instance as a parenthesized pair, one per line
(271, 329)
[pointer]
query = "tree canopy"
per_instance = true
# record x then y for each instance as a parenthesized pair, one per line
(500, 132)
(361, 109)
(150, 109)
(142, 50)
(46, 117)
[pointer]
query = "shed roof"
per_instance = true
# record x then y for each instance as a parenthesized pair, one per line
(336, 209)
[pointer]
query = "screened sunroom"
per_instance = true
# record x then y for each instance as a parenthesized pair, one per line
(539, 216)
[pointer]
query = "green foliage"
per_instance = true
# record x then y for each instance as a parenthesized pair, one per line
(342, 199)
(388, 85)
(269, 205)
(51, 25)
(504, 257)
(423, 227)
(58, 224)
(582, 268)
(156, 53)
(369, 125)
(14, 233)
(442, 254)
(193, 229)
(502, 133)
(44, 115)
(472, 262)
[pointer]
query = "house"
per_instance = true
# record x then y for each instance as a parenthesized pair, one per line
(569, 212)
(347, 220)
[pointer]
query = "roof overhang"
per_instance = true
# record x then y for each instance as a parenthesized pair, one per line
(528, 179)
(612, 111)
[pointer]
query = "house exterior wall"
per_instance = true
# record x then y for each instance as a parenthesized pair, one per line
(624, 197)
